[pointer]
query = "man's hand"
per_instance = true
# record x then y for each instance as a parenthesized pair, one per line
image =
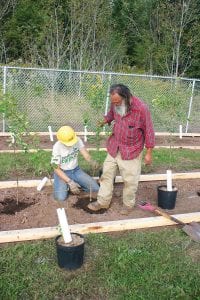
(101, 123)
(148, 158)
(74, 187)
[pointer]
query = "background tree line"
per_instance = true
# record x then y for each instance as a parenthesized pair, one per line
(151, 36)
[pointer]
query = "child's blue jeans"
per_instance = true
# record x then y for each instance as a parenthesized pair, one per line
(86, 182)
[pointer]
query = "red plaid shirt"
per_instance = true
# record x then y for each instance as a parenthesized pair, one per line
(131, 132)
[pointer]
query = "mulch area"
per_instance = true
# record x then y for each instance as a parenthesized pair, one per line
(38, 209)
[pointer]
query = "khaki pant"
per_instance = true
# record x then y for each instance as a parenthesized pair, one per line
(129, 170)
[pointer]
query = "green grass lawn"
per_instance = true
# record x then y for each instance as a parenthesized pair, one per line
(32, 165)
(145, 265)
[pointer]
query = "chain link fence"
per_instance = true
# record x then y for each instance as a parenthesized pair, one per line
(80, 98)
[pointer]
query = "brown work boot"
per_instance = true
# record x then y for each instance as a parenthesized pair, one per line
(126, 210)
(95, 206)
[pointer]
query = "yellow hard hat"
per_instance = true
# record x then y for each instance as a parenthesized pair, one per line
(67, 136)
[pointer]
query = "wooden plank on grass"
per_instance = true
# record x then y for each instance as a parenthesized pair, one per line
(99, 227)
(118, 179)
(28, 234)
(47, 149)
(155, 177)
(46, 133)
(177, 134)
(23, 151)
(22, 183)
(179, 147)
(101, 149)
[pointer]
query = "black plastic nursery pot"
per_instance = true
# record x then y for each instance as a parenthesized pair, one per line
(166, 199)
(70, 256)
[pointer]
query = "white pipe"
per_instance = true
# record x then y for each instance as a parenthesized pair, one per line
(180, 131)
(169, 180)
(50, 133)
(85, 133)
(64, 225)
(42, 184)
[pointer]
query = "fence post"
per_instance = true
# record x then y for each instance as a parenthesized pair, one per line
(190, 106)
(107, 98)
(108, 95)
(4, 92)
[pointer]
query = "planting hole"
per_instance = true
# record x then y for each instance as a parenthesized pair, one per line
(9, 206)
(83, 203)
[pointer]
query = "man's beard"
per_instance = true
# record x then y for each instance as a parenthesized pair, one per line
(121, 109)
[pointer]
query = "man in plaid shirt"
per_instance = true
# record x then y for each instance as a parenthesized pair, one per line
(132, 130)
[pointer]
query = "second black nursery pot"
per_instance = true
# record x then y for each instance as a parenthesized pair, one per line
(166, 199)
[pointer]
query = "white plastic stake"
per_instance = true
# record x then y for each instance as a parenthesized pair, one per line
(42, 184)
(180, 131)
(64, 225)
(169, 180)
(85, 133)
(50, 133)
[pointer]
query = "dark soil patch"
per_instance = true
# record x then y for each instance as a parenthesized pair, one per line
(10, 206)
(83, 203)
(40, 210)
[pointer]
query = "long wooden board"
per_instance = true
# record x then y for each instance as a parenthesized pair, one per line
(99, 227)
(103, 149)
(118, 179)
